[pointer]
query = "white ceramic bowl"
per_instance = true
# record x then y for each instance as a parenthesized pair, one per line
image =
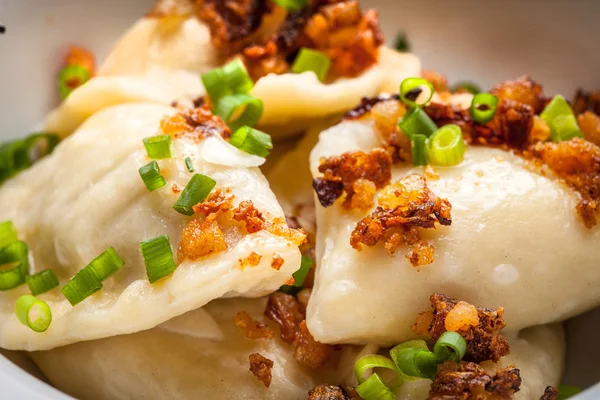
(554, 41)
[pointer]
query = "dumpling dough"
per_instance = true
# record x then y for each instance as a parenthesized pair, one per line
(88, 196)
(538, 352)
(516, 241)
(160, 364)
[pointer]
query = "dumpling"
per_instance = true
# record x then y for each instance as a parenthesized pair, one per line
(88, 196)
(515, 240)
(203, 364)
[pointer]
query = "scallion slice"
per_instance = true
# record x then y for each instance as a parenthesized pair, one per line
(151, 176)
(84, 284)
(106, 264)
(401, 42)
(414, 360)
(41, 282)
(374, 389)
(483, 107)
(14, 255)
(369, 362)
(158, 147)
(446, 147)
(561, 120)
(8, 233)
(417, 122)
(33, 313)
(299, 276)
(292, 5)
(312, 60)
(411, 90)
(238, 110)
(189, 165)
(197, 189)
(567, 391)
(158, 258)
(232, 78)
(418, 145)
(70, 78)
(20, 154)
(450, 346)
(252, 141)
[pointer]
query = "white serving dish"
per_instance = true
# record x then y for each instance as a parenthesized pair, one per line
(482, 41)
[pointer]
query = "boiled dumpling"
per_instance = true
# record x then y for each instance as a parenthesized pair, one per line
(88, 196)
(515, 241)
(202, 363)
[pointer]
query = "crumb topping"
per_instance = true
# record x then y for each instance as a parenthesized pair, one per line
(194, 123)
(261, 368)
(252, 329)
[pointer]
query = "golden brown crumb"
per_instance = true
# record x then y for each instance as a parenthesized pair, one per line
(328, 392)
(175, 188)
(540, 131)
(201, 238)
(586, 102)
(404, 206)
(248, 214)
(310, 353)
(364, 192)
(421, 325)
(195, 124)
(253, 329)
(421, 253)
(251, 261)
(522, 90)
(484, 342)
(285, 310)
(467, 380)
(550, 393)
(216, 202)
(439, 81)
(280, 228)
(374, 166)
(277, 262)
(261, 368)
(461, 317)
(589, 122)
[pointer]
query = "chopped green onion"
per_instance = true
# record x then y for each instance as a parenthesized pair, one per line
(299, 276)
(450, 346)
(412, 88)
(14, 276)
(467, 87)
(232, 78)
(252, 141)
(8, 234)
(33, 313)
(446, 146)
(18, 155)
(158, 147)
(561, 120)
(41, 282)
(374, 389)
(414, 360)
(238, 110)
(43, 143)
(197, 189)
(70, 78)
(106, 264)
(483, 107)
(417, 122)
(312, 60)
(369, 362)
(189, 165)
(418, 145)
(84, 284)
(158, 258)
(89, 280)
(292, 5)
(151, 176)
(566, 391)
(401, 43)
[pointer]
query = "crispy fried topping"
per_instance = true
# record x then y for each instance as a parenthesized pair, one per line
(577, 162)
(421, 253)
(439, 81)
(328, 392)
(481, 332)
(195, 124)
(216, 202)
(232, 21)
(201, 238)
(261, 368)
(285, 310)
(512, 123)
(403, 207)
(277, 262)
(540, 131)
(309, 352)
(522, 90)
(280, 228)
(253, 329)
(550, 393)
(467, 380)
(251, 261)
(250, 216)
(421, 325)
(589, 122)
(374, 166)
(586, 102)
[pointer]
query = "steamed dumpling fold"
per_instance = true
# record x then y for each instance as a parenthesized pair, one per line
(88, 196)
